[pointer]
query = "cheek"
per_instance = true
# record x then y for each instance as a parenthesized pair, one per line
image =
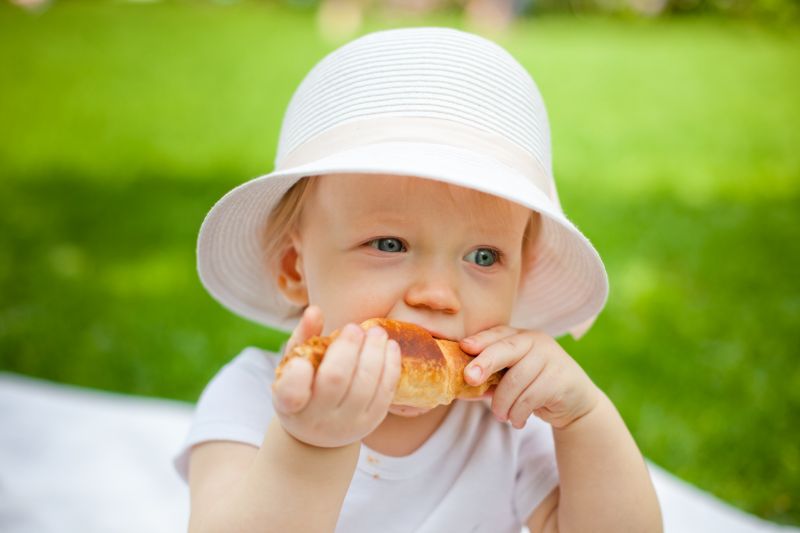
(489, 305)
(350, 293)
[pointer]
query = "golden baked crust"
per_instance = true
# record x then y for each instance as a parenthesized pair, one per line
(432, 370)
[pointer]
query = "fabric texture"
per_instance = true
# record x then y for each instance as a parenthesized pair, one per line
(78, 459)
(470, 458)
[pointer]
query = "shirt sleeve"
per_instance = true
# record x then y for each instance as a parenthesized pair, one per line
(537, 471)
(236, 405)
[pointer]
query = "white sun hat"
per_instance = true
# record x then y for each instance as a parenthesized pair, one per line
(430, 102)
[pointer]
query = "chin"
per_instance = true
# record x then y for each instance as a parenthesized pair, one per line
(407, 410)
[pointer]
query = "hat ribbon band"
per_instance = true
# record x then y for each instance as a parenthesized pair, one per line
(418, 130)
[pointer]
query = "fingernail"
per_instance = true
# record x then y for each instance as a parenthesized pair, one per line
(474, 372)
(352, 332)
(394, 347)
(376, 331)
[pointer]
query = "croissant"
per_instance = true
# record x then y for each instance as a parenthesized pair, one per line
(432, 370)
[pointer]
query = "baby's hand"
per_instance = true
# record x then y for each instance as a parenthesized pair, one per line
(350, 393)
(541, 379)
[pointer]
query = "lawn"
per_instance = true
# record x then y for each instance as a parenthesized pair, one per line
(676, 151)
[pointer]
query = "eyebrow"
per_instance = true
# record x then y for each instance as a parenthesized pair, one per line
(390, 210)
(372, 216)
(377, 217)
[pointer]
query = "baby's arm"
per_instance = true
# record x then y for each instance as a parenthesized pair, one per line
(604, 482)
(298, 478)
(285, 485)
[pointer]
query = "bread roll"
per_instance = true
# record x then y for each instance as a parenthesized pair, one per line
(432, 369)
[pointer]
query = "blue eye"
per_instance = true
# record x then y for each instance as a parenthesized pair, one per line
(387, 244)
(483, 256)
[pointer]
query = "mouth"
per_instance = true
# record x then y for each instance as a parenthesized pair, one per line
(407, 411)
(437, 334)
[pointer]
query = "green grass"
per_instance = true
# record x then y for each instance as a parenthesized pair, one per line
(675, 148)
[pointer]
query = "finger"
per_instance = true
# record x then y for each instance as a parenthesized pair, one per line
(388, 385)
(475, 344)
(515, 382)
(310, 325)
(290, 394)
(503, 353)
(533, 398)
(368, 372)
(336, 370)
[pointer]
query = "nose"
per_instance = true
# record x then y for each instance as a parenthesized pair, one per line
(435, 288)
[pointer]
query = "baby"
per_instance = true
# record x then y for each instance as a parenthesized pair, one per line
(413, 181)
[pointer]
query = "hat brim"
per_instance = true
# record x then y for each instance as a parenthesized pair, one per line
(562, 291)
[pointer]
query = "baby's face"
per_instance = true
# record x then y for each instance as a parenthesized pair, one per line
(445, 258)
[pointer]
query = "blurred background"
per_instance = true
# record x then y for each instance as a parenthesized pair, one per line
(676, 151)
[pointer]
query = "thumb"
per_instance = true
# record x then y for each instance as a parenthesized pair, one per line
(310, 325)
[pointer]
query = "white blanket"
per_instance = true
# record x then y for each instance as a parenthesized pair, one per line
(82, 460)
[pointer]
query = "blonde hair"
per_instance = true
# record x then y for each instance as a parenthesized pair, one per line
(285, 218)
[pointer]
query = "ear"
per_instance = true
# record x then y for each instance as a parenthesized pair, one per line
(291, 276)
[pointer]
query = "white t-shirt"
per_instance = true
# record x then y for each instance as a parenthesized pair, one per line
(474, 474)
